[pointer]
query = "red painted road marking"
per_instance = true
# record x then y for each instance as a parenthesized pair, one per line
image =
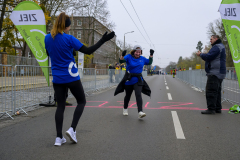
(132, 105)
(178, 108)
(102, 104)
(176, 105)
(146, 104)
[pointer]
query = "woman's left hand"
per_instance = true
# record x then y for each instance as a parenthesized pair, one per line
(151, 52)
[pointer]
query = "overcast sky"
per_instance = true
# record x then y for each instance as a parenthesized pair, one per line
(174, 27)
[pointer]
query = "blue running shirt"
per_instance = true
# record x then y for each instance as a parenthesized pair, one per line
(60, 49)
(135, 66)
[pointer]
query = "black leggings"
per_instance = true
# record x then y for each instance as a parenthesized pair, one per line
(55, 97)
(77, 91)
(138, 93)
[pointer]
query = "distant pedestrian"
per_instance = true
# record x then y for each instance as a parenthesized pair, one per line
(174, 72)
(215, 66)
(111, 72)
(117, 72)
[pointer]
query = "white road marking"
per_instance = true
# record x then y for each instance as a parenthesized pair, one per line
(169, 96)
(165, 83)
(167, 88)
(231, 89)
(177, 126)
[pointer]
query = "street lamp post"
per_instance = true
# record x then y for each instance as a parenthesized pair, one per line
(124, 39)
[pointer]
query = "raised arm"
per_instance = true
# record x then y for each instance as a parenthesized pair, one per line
(150, 60)
(89, 50)
(121, 59)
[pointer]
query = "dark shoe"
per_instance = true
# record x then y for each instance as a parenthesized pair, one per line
(208, 112)
(68, 104)
(218, 111)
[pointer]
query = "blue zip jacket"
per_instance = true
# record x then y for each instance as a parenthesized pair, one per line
(215, 60)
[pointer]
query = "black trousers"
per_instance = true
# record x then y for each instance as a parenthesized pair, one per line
(213, 92)
(138, 93)
(78, 92)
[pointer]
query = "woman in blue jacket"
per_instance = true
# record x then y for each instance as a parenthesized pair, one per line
(59, 47)
(133, 78)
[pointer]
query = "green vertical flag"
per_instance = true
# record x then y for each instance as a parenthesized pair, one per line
(29, 19)
(230, 13)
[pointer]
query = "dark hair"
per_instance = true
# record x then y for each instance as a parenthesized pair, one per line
(133, 51)
(215, 36)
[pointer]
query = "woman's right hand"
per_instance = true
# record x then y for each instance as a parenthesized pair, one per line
(124, 53)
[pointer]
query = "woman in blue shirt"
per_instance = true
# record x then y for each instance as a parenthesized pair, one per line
(59, 47)
(135, 63)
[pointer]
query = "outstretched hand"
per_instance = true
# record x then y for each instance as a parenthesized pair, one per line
(106, 37)
(151, 52)
(124, 53)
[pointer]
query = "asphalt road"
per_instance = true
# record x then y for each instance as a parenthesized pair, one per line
(174, 129)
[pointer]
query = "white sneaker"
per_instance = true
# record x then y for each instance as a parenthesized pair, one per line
(125, 112)
(141, 114)
(59, 141)
(71, 134)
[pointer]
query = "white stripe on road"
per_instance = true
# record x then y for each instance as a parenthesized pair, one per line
(165, 83)
(167, 88)
(169, 96)
(177, 126)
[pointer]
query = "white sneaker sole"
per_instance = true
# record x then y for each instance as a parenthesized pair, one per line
(69, 135)
(125, 114)
(59, 144)
(144, 115)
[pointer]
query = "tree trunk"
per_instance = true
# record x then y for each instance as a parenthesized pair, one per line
(2, 16)
(24, 49)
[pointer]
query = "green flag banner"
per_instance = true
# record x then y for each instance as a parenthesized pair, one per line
(230, 13)
(29, 19)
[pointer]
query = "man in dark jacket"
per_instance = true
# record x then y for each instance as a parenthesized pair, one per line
(215, 66)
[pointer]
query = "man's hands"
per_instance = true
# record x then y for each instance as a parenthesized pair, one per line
(124, 53)
(151, 52)
(106, 37)
(198, 53)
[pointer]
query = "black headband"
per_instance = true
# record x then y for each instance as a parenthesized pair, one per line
(67, 22)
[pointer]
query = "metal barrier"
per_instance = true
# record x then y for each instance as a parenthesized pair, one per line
(24, 87)
(31, 87)
(6, 90)
(198, 80)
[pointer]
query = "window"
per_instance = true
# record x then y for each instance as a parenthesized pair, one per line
(71, 33)
(79, 34)
(79, 22)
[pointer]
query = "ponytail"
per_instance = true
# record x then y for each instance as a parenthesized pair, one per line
(59, 25)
